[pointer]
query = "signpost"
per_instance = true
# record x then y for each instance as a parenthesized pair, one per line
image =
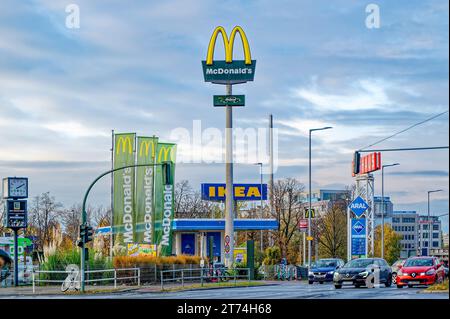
(16, 212)
(229, 72)
(303, 225)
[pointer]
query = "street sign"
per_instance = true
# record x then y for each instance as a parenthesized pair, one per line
(358, 239)
(16, 213)
(309, 238)
(229, 100)
(358, 206)
(303, 224)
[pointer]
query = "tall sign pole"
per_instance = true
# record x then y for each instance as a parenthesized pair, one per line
(228, 72)
(271, 183)
(229, 202)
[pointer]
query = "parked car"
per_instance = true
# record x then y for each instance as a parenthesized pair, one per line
(363, 272)
(323, 270)
(395, 267)
(420, 271)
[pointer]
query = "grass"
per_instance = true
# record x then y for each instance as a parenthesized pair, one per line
(442, 287)
(215, 285)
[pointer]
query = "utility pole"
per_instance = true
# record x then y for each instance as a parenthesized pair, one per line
(271, 182)
(430, 224)
(383, 211)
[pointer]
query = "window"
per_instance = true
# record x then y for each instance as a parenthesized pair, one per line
(435, 235)
(395, 219)
(435, 226)
(408, 219)
(435, 244)
(425, 235)
(425, 227)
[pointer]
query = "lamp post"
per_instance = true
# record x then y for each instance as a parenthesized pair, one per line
(430, 232)
(309, 197)
(261, 203)
(382, 206)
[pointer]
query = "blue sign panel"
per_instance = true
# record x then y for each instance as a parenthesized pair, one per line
(358, 206)
(358, 237)
(241, 192)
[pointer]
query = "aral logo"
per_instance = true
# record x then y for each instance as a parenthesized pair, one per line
(358, 206)
(358, 227)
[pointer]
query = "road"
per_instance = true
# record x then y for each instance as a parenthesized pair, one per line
(284, 290)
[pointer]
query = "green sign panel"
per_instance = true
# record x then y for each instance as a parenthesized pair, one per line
(235, 72)
(229, 100)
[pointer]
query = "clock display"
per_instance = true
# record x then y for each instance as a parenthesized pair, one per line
(18, 187)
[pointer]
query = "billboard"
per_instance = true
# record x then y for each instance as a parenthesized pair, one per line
(216, 192)
(369, 163)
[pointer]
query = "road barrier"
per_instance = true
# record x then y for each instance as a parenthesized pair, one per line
(115, 273)
(203, 275)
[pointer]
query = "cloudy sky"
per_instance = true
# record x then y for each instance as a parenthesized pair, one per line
(135, 66)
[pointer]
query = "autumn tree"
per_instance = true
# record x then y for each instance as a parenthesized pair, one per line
(189, 203)
(332, 231)
(392, 243)
(288, 212)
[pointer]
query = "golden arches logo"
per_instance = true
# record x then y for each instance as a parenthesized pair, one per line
(228, 45)
(145, 147)
(124, 142)
(164, 152)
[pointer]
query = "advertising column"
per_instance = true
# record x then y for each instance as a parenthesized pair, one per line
(124, 216)
(164, 200)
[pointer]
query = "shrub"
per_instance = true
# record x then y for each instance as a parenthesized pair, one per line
(272, 256)
(142, 261)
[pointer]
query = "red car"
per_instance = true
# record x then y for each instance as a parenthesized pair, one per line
(420, 271)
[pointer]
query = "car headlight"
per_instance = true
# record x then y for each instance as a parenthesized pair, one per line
(430, 272)
(331, 272)
(310, 273)
(336, 276)
(364, 274)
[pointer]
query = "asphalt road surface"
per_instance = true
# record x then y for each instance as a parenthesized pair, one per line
(284, 290)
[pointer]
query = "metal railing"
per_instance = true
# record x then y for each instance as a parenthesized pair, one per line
(115, 278)
(203, 275)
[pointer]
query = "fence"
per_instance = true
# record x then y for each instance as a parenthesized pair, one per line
(91, 276)
(203, 275)
(283, 272)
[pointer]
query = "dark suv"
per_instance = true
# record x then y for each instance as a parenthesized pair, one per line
(363, 272)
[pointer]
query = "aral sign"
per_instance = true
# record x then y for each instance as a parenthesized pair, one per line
(229, 71)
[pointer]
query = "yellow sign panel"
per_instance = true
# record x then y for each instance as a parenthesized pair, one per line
(240, 254)
(309, 238)
(228, 45)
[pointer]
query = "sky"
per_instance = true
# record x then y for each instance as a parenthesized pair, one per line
(135, 66)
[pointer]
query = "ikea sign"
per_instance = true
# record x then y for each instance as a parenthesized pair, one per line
(216, 192)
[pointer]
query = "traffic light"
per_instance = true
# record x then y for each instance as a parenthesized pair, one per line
(356, 162)
(89, 234)
(167, 173)
(86, 235)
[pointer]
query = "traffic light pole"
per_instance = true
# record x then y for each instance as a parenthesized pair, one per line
(84, 214)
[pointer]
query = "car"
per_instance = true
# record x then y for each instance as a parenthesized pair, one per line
(395, 267)
(363, 272)
(420, 271)
(323, 270)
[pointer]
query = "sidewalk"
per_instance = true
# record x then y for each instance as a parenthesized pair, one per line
(56, 290)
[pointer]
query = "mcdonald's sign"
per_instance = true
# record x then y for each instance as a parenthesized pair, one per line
(228, 71)
(124, 144)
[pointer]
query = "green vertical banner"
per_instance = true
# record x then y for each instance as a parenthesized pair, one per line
(145, 153)
(124, 216)
(164, 199)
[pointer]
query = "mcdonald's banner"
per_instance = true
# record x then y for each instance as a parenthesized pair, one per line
(164, 200)
(124, 217)
(229, 71)
(145, 154)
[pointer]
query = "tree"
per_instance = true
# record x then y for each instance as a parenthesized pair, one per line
(288, 212)
(392, 243)
(332, 231)
(189, 203)
(42, 219)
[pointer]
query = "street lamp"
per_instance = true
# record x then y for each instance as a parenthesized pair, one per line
(309, 215)
(382, 206)
(261, 208)
(429, 220)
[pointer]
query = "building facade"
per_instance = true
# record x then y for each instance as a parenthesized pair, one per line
(406, 224)
(379, 203)
(424, 234)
